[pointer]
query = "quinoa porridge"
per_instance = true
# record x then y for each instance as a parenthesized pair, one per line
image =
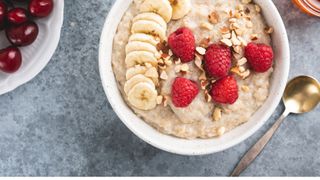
(146, 65)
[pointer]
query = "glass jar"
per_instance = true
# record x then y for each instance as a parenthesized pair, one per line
(311, 7)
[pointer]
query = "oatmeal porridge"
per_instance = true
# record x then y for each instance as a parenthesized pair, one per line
(193, 68)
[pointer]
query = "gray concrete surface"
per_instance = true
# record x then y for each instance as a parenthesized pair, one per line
(60, 123)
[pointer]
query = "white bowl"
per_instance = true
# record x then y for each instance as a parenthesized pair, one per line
(36, 56)
(196, 146)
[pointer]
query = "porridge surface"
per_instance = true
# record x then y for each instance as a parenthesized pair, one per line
(196, 121)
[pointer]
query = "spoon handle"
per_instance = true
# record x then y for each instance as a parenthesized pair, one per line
(258, 147)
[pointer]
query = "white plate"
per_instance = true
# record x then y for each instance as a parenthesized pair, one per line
(197, 146)
(37, 55)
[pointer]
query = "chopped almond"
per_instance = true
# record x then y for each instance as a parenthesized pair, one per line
(213, 17)
(227, 42)
(201, 50)
(216, 116)
(164, 75)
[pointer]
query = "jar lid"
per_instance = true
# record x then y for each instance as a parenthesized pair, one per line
(311, 7)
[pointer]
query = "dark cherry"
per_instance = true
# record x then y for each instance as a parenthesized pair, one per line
(23, 34)
(10, 59)
(17, 16)
(3, 12)
(40, 8)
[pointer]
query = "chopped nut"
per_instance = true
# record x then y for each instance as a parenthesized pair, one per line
(203, 76)
(237, 49)
(178, 61)
(239, 31)
(242, 61)
(245, 74)
(236, 55)
(168, 62)
(216, 116)
(162, 67)
(177, 69)
(234, 26)
(249, 24)
(213, 17)
(164, 75)
(225, 30)
(170, 52)
(206, 25)
(268, 30)
(257, 7)
(204, 42)
(227, 42)
(232, 20)
(201, 50)
(213, 81)
(165, 101)
(207, 96)
(185, 67)
(234, 39)
(159, 99)
(230, 13)
(221, 131)
(245, 88)
(204, 84)
(235, 70)
(243, 42)
(226, 36)
(254, 37)
(160, 62)
(237, 15)
(241, 69)
(198, 62)
(240, 7)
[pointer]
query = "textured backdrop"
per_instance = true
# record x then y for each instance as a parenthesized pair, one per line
(61, 123)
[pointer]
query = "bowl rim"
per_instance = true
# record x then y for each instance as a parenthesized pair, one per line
(109, 83)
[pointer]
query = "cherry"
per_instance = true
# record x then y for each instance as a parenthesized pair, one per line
(17, 16)
(40, 8)
(10, 59)
(3, 12)
(23, 34)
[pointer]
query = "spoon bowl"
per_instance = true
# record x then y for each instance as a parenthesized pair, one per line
(302, 94)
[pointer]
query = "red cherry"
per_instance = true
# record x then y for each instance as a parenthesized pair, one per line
(3, 12)
(17, 16)
(10, 59)
(23, 34)
(40, 8)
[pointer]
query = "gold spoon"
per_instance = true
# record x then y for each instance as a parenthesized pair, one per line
(302, 94)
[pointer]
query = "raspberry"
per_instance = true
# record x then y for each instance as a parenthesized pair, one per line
(218, 60)
(260, 56)
(182, 44)
(225, 90)
(183, 92)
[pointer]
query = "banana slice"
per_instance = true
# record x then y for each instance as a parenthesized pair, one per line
(151, 73)
(140, 57)
(150, 16)
(135, 80)
(180, 8)
(140, 46)
(135, 71)
(144, 38)
(149, 27)
(161, 7)
(143, 96)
